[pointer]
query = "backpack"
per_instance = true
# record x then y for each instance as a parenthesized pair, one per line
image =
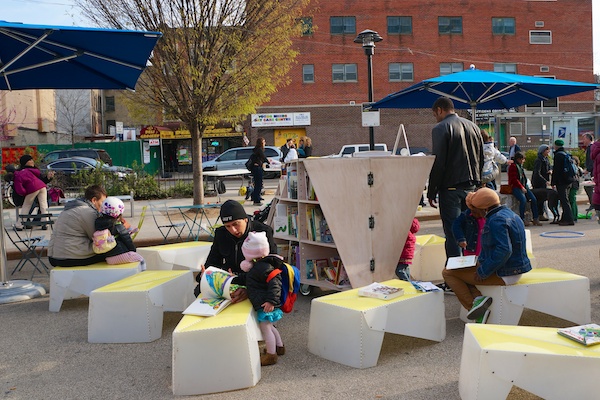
(104, 241)
(290, 285)
(570, 168)
(490, 171)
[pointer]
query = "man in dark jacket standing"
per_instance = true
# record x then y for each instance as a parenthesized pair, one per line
(285, 149)
(458, 148)
(226, 250)
(562, 181)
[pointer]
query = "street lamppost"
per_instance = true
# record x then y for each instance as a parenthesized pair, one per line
(368, 38)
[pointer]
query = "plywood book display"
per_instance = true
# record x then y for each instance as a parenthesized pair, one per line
(368, 204)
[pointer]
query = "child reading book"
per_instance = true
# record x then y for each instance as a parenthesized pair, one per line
(112, 234)
(408, 252)
(264, 294)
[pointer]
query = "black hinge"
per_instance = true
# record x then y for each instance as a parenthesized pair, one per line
(370, 179)
(371, 222)
(372, 265)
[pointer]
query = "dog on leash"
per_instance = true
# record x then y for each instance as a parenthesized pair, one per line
(553, 204)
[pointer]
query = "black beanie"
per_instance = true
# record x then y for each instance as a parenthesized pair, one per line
(232, 210)
(23, 160)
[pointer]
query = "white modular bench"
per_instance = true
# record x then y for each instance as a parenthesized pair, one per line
(349, 329)
(216, 354)
(496, 357)
(72, 282)
(184, 255)
(551, 291)
(131, 310)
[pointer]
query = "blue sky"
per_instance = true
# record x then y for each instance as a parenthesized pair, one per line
(63, 12)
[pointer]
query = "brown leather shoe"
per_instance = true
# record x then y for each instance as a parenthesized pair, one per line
(537, 222)
(268, 359)
(280, 350)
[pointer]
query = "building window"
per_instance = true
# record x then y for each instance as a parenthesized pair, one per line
(342, 25)
(503, 26)
(344, 73)
(401, 72)
(450, 68)
(546, 104)
(540, 37)
(307, 26)
(399, 25)
(110, 103)
(508, 68)
(308, 73)
(450, 25)
(109, 123)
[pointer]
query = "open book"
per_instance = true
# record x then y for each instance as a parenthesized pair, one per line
(215, 293)
(461, 262)
(587, 335)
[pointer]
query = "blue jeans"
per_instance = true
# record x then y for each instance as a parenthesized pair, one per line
(257, 174)
(520, 196)
(452, 203)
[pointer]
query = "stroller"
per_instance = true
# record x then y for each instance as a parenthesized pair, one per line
(261, 215)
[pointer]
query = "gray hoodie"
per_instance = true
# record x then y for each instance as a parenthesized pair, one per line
(73, 231)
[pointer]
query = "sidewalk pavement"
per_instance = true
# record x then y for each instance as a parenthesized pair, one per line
(46, 355)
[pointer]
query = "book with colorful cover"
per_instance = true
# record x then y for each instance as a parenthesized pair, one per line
(588, 334)
(380, 291)
(215, 293)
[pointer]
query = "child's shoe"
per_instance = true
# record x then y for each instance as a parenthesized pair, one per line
(480, 306)
(403, 272)
(280, 350)
(268, 359)
(484, 318)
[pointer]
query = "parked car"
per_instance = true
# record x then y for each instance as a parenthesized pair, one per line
(348, 149)
(97, 154)
(72, 165)
(236, 157)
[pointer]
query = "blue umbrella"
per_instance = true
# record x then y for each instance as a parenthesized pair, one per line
(475, 88)
(62, 57)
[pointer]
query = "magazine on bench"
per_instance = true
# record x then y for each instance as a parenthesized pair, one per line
(380, 291)
(215, 293)
(587, 335)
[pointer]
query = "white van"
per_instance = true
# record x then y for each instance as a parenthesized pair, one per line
(349, 149)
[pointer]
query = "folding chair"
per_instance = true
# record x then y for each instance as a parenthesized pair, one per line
(163, 222)
(30, 248)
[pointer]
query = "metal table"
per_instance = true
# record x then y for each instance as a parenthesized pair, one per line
(194, 221)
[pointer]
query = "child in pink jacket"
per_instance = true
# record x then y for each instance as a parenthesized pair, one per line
(403, 268)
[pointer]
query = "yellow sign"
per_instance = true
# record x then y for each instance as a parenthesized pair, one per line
(210, 132)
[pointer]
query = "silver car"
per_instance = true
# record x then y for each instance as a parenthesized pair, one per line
(236, 157)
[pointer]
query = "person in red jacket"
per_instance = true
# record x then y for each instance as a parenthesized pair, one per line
(29, 183)
(518, 184)
(408, 253)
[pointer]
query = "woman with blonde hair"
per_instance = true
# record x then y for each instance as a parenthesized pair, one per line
(305, 149)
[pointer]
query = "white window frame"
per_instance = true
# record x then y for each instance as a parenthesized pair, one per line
(345, 70)
(402, 70)
(538, 34)
(505, 67)
(454, 67)
(304, 73)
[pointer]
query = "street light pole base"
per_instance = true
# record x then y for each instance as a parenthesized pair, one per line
(20, 290)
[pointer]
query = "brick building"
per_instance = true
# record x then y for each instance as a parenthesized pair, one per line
(424, 39)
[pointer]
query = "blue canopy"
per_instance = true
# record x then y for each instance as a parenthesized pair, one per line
(63, 57)
(475, 88)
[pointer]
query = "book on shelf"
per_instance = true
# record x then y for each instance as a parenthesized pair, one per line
(215, 293)
(326, 236)
(320, 265)
(310, 190)
(310, 269)
(284, 251)
(588, 334)
(380, 291)
(292, 178)
(461, 262)
(280, 225)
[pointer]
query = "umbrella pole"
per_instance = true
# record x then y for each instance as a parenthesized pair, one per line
(474, 114)
(18, 290)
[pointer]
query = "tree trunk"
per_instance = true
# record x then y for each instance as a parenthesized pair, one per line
(197, 164)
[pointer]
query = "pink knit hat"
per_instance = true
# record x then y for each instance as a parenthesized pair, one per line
(255, 246)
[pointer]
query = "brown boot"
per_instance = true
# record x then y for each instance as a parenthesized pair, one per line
(280, 350)
(537, 222)
(268, 359)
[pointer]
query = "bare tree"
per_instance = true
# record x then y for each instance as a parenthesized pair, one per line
(73, 112)
(217, 59)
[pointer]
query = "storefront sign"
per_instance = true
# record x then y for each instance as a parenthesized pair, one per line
(302, 119)
(149, 132)
(280, 119)
(154, 142)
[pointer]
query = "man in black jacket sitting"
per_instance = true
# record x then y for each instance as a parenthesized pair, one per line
(226, 250)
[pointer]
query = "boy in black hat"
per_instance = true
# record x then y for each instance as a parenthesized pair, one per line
(226, 250)
(562, 181)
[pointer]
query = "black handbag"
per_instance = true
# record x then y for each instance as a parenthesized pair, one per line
(249, 164)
